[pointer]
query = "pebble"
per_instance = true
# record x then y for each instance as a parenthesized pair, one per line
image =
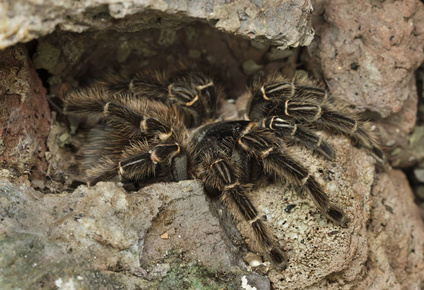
(419, 174)
(390, 143)
(277, 54)
(396, 151)
(420, 192)
(257, 45)
(250, 67)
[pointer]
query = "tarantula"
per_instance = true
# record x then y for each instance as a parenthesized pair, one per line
(163, 127)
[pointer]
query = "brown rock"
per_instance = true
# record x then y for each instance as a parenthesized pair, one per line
(24, 114)
(368, 51)
(395, 236)
(191, 227)
(394, 135)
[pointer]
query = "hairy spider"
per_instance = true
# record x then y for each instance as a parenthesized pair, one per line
(164, 127)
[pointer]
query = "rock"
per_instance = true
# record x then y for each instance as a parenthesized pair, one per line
(368, 51)
(289, 25)
(395, 236)
(416, 142)
(397, 128)
(277, 54)
(191, 227)
(317, 248)
(49, 264)
(250, 67)
(419, 174)
(253, 281)
(104, 230)
(25, 114)
(388, 252)
(420, 192)
(83, 55)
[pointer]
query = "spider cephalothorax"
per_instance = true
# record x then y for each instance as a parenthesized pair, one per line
(156, 127)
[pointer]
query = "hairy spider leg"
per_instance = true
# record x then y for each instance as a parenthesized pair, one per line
(312, 106)
(295, 133)
(100, 141)
(89, 103)
(105, 170)
(324, 117)
(224, 177)
(149, 83)
(132, 118)
(134, 123)
(132, 135)
(262, 144)
(194, 93)
(140, 162)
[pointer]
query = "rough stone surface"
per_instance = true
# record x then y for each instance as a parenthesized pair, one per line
(383, 247)
(396, 138)
(105, 229)
(24, 115)
(395, 236)
(368, 51)
(280, 22)
(317, 248)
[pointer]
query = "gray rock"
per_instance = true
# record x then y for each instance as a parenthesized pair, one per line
(285, 23)
(65, 238)
(277, 54)
(250, 67)
(419, 174)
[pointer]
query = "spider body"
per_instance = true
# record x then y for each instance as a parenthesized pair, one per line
(158, 127)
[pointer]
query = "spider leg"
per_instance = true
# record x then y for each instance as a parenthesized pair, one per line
(132, 134)
(90, 103)
(194, 93)
(139, 162)
(133, 119)
(352, 126)
(147, 83)
(224, 175)
(105, 170)
(306, 103)
(286, 128)
(145, 120)
(261, 143)
(325, 117)
(102, 140)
